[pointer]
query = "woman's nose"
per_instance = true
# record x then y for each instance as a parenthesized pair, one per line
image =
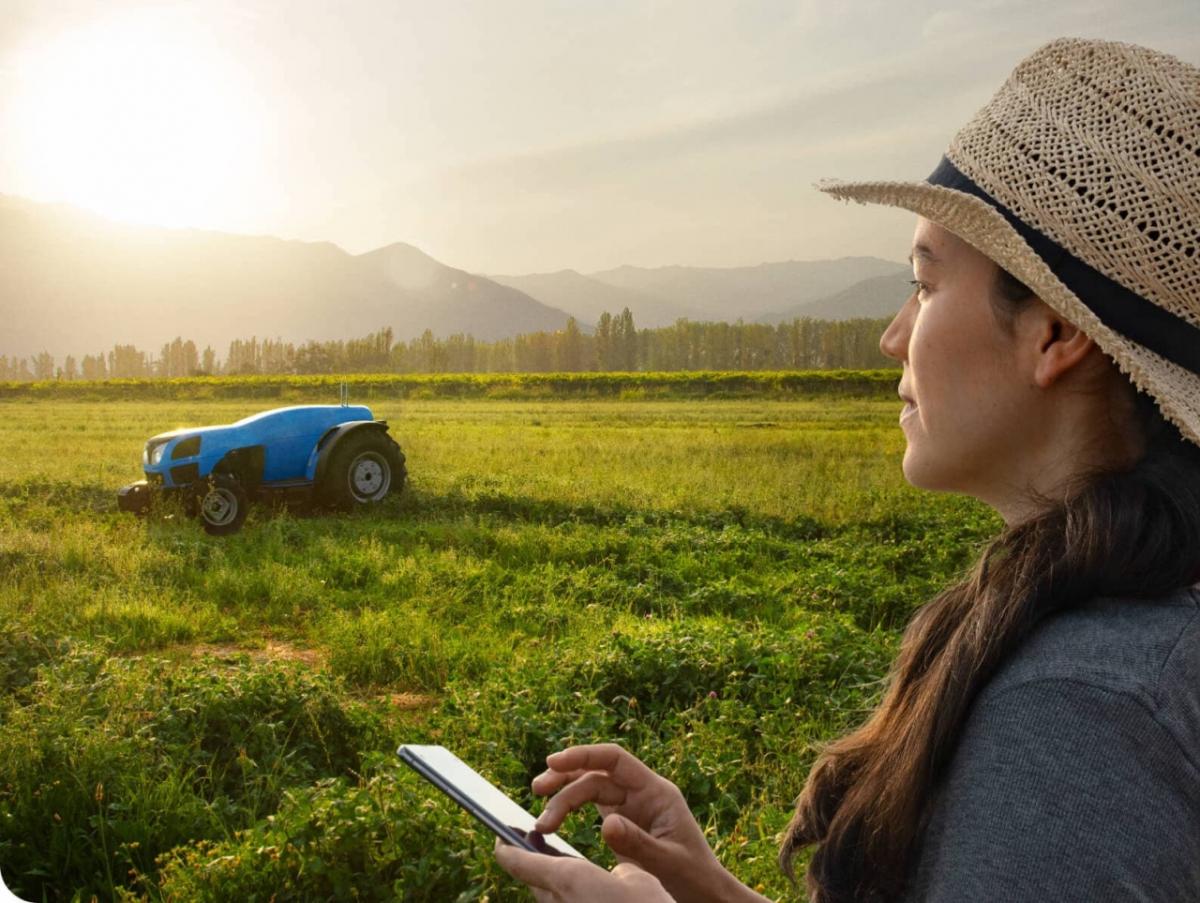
(894, 341)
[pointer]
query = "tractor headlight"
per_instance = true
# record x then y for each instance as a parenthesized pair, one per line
(156, 454)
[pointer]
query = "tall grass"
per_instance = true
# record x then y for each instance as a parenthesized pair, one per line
(720, 584)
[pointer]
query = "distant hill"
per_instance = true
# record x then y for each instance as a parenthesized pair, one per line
(586, 298)
(748, 293)
(880, 296)
(447, 300)
(73, 283)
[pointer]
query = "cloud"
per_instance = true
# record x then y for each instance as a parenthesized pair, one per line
(898, 104)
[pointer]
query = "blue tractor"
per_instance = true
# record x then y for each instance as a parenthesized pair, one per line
(337, 455)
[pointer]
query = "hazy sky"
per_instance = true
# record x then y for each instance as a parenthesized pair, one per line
(513, 136)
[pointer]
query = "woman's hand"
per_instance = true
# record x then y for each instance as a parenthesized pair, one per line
(646, 819)
(565, 879)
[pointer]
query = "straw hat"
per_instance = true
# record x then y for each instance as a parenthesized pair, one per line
(1081, 177)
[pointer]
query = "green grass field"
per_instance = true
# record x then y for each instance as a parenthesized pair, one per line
(718, 584)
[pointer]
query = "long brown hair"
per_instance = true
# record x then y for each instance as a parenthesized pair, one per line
(1131, 533)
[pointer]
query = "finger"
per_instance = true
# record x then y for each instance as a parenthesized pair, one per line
(549, 781)
(593, 787)
(628, 871)
(558, 876)
(638, 881)
(627, 840)
(624, 767)
(533, 869)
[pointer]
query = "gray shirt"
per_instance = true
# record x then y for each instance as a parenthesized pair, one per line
(1077, 776)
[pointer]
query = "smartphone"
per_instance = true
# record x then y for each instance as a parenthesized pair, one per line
(471, 790)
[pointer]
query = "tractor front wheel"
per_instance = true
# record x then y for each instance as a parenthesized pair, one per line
(221, 504)
(364, 468)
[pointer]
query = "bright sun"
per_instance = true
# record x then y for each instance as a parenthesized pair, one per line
(137, 118)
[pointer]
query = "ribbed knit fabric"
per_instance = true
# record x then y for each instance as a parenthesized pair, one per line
(1077, 777)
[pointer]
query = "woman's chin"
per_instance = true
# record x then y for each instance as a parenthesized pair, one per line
(920, 473)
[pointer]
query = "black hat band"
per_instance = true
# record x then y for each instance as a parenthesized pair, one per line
(1121, 310)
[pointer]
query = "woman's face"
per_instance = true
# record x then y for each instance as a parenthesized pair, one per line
(967, 417)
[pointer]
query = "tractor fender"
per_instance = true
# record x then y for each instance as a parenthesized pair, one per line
(318, 461)
(244, 464)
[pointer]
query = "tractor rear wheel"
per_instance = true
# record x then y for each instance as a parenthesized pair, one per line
(364, 469)
(221, 503)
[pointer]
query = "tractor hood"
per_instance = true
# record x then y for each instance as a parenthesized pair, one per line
(304, 416)
(275, 431)
(182, 431)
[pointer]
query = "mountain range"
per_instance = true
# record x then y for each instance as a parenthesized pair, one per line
(75, 283)
(879, 296)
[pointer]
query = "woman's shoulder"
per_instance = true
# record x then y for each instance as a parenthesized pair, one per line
(1122, 644)
(1144, 649)
(1076, 770)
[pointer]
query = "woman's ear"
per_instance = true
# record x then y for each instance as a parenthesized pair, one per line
(1058, 346)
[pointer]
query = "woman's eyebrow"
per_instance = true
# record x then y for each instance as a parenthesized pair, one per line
(924, 252)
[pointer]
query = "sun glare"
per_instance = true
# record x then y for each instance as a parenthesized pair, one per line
(138, 119)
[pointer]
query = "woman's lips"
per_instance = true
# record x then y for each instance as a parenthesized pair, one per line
(909, 409)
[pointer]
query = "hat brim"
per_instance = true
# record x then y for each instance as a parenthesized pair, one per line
(984, 228)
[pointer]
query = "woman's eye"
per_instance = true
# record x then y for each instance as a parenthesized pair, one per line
(918, 286)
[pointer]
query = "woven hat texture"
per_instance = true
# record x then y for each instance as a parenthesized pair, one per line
(1083, 171)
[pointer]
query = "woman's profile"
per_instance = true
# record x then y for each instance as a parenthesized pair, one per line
(1039, 737)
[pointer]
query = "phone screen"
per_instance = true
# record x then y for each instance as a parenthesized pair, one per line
(481, 798)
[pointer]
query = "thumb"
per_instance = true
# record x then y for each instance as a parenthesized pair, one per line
(628, 840)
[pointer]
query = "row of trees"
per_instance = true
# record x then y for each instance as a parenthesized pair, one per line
(178, 358)
(616, 344)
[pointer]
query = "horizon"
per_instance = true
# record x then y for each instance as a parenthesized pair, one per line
(75, 210)
(528, 140)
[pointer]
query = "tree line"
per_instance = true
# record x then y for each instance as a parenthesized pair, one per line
(615, 344)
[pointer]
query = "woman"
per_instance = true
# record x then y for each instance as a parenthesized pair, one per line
(1040, 735)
